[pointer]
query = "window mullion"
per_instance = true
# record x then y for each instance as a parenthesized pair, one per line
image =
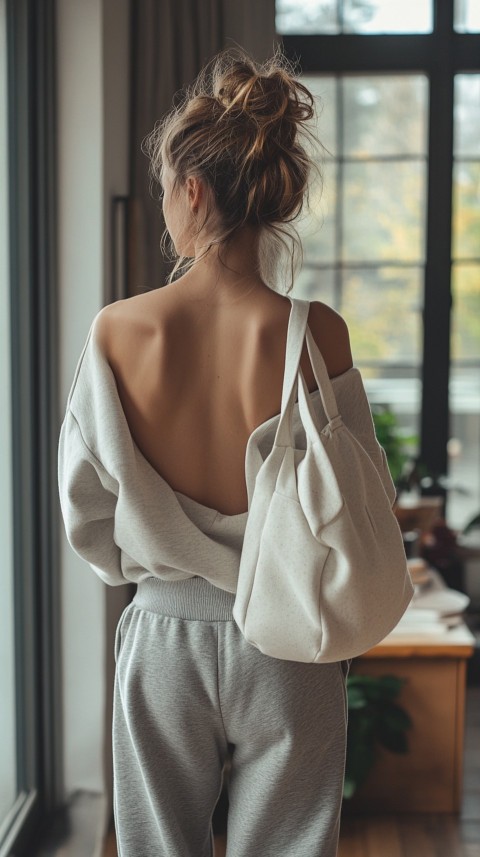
(437, 295)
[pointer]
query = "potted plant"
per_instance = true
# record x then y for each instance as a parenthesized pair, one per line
(374, 719)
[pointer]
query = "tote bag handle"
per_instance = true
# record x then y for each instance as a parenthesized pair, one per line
(297, 331)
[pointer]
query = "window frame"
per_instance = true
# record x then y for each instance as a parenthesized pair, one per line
(34, 412)
(440, 55)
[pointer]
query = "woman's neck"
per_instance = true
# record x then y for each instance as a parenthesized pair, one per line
(230, 264)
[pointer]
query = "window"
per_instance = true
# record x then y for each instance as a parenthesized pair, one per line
(29, 634)
(395, 235)
(364, 244)
(8, 766)
(354, 16)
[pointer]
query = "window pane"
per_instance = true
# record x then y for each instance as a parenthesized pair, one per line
(317, 228)
(8, 770)
(308, 16)
(464, 444)
(464, 459)
(324, 90)
(385, 115)
(387, 16)
(467, 16)
(313, 284)
(466, 210)
(359, 16)
(383, 307)
(401, 389)
(384, 211)
(467, 115)
(466, 312)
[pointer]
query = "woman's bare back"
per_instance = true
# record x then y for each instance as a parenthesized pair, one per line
(197, 375)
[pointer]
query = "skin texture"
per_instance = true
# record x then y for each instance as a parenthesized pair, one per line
(199, 362)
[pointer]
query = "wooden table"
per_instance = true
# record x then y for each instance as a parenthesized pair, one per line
(429, 777)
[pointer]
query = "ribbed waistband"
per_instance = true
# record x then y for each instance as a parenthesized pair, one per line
(192, 598)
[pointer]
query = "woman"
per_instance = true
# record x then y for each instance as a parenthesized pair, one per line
(175, 390)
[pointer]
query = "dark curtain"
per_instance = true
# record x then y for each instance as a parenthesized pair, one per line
(170, 42)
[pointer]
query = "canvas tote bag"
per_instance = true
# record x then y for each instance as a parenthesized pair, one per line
(323, 573)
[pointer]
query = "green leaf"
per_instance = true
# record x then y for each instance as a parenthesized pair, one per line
(360, 759)
(394, 741)
(376, 688)
(349, 787)
(409, 439)
(356, 698)
(397, 718)
(373, 680)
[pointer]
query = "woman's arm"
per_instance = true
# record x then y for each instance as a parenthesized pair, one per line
(88, 497)
(330, 332)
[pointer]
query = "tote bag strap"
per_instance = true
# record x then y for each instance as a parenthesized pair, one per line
(297, 323)
(298, 332)
(308, 415)
(324, 384)
(297, 329)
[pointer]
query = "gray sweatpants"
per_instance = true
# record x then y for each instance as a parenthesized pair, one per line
(188, 684)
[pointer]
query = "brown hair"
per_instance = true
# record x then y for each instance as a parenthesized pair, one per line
(239, 127)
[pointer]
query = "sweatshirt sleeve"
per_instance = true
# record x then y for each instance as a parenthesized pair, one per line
(356, 413)
(88, 496)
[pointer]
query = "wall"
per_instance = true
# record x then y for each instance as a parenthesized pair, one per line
(92, 110)
(116, 78)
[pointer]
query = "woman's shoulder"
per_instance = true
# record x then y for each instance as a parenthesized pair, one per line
(330, 332)
(120, 323)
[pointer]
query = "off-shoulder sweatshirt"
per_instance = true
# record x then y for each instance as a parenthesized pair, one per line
(125, 520)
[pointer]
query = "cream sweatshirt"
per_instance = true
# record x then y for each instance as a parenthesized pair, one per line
(124, 519)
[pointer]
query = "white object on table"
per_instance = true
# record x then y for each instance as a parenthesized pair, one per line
(433, 608)
(436, 595)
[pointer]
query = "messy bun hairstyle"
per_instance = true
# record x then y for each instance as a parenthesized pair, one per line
(242, 127)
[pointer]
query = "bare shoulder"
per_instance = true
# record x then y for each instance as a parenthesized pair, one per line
(106, 322)
(330, 332)
(118, 325)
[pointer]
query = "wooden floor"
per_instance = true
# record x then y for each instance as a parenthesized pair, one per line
(411, 835)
